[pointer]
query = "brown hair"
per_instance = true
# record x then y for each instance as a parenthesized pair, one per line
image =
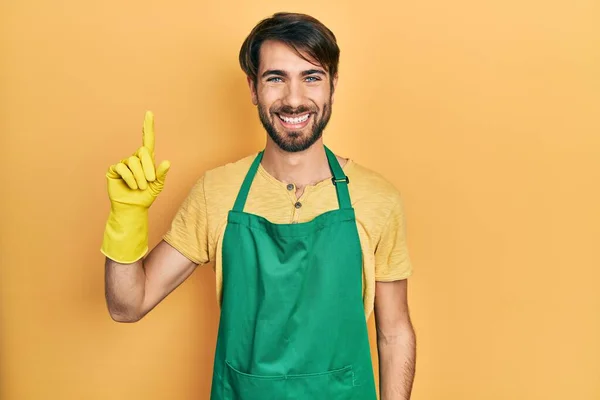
(303, 33)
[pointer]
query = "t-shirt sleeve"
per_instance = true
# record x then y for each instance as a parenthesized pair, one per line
(392, 261)
(188, 232)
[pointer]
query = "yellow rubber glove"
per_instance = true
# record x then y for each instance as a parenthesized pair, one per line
(133, 185)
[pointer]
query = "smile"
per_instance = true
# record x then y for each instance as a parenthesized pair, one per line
(295, 122)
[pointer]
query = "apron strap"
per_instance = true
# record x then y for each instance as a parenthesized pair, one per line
(240, 201)
(340, 181)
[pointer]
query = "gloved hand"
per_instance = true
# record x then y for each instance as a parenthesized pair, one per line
(133, 185)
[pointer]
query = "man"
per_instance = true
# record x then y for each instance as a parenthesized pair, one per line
(306, 244)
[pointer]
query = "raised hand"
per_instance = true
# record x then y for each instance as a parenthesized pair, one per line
(135, 180)
(133, 185)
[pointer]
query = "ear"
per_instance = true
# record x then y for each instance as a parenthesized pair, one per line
(333, 86)
(252, 87)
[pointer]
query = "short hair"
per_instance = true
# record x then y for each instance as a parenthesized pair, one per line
(303, 33)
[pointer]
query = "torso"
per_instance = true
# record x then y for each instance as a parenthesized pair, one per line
(372, 198)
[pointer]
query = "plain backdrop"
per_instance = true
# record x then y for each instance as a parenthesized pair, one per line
(484, 114)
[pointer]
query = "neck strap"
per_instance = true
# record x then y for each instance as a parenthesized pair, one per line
(339, 179)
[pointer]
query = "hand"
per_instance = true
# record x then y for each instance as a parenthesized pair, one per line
(135, 180)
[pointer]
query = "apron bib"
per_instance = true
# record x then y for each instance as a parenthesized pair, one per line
(292, 323)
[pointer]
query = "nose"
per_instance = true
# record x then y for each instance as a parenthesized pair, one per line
(294, 94)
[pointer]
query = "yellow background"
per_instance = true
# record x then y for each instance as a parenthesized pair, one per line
(484, 114)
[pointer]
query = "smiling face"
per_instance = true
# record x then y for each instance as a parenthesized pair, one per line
(293, 96)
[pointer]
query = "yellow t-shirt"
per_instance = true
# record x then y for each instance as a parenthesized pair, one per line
(199, 225)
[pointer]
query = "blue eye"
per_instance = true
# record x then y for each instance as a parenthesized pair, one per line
(313, 79)
(273, 79)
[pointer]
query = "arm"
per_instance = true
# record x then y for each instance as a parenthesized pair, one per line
(132, 290)
(134, 285)
(396, 342)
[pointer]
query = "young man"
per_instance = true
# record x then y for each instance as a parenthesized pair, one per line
(306, 244)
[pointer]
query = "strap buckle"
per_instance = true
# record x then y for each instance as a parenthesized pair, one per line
(335, 181)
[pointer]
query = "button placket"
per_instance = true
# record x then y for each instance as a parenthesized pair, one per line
(291, 188)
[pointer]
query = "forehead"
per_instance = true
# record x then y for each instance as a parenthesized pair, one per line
(278, 55)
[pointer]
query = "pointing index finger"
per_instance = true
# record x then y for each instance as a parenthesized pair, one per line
(148, 131)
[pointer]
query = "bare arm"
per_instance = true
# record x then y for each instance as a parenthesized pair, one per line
(396, 342)
(132, 290)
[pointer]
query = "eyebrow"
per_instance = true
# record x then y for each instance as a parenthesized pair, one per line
(313, 71)
(278, 72)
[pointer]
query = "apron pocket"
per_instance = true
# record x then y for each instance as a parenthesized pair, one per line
(331, 385)
(241, 386)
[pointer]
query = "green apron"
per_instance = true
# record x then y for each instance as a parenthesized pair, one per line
(292, 323)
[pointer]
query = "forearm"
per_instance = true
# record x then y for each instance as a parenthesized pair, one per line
(397, 356)
(124, 289)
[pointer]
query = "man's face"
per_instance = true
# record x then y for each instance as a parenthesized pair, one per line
(293, 96)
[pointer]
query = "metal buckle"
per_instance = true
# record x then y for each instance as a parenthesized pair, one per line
(335, 181)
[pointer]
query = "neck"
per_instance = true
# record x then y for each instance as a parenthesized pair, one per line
(302, 168)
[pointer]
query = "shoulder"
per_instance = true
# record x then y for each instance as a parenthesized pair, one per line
(223, 176)
(371, 186)
(222, 184)
(232, 172)
(375, 199)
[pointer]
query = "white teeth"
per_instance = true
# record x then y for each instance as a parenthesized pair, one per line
(296, 120)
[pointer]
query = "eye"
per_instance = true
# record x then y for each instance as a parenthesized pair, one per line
(312, 79)
(274, 79)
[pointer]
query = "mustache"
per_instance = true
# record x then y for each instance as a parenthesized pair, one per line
(293, 111)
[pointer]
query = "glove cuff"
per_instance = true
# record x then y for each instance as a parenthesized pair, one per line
(126, 233)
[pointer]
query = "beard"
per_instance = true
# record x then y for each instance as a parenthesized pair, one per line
(295, 141)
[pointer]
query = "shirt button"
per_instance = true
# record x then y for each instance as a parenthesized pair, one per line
(298, 204)
(290, 186)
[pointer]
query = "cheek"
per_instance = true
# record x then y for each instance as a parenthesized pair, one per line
(269, 94)
(319, 95)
